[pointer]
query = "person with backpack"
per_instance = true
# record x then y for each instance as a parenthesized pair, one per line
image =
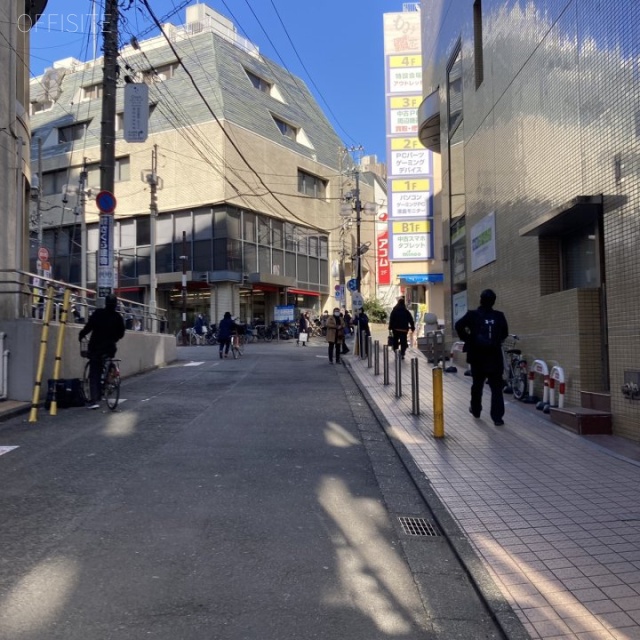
(483, 331)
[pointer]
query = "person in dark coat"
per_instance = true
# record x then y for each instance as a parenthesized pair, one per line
(106, 327)
(303, 327)
(363, 331)
(483, 331)
(400, 322)
(225, 330)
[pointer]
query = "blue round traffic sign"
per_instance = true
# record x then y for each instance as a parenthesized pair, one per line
(106, 202)
(352, 285)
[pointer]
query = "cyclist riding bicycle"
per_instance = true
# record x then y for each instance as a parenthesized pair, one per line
(106, 327)
(226, 329)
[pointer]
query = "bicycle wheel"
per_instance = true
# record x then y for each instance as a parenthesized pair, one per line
(519, 385)
(86, 386)
(268, 335)
(112, 391)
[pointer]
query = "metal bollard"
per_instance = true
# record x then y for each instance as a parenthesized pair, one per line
(376, 358)
(398, 374)
(369, 354)
(385, 365)
(363, 347)
(415, 389)
(438, 404)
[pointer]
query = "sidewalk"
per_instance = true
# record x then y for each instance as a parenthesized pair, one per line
(554, 517)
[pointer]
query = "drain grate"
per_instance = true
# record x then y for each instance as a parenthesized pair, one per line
(417, 527)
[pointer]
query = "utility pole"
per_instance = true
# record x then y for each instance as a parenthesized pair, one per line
(358, 206)
(39, 201)
(108, 145)
(82, 201)
(153, 212)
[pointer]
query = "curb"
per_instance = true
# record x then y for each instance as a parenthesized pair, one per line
(490, 594)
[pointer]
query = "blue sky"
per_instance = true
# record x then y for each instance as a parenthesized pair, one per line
(337, 49)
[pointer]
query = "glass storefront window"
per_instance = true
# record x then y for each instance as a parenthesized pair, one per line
(249, 226)
(264, 259)
(250, 258)
(278, 263)
(303, 269)
(278, 231)
(203, 225)
(264, 231)
(290, 264)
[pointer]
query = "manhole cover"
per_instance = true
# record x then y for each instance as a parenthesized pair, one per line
(417, 527)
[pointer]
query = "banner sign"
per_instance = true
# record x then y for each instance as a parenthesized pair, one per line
(382, 253)
(105, 255)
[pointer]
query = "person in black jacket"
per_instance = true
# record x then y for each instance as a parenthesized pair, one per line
(106, 327)
(483, 331)
(400, 322)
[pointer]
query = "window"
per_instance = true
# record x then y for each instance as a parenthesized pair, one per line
(161, 73)
(72, 132)
(92, 92)
(39, 106)
(121, 173)
(286, 129)
(120, 118)
(454, 92)
(477, 42)
(579, 255)
(53, 181)
(311, 185)
(259, 83)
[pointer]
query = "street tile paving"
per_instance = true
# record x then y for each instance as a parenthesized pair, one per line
(554, 517)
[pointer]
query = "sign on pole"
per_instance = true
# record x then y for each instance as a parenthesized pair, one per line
(43, 254)
(136, 112)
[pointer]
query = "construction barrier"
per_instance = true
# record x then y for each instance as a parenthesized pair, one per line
(556, 376)
(540, 367)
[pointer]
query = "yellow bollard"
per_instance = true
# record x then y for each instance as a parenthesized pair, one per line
(53, 410)
(33, 414)
(438, 404)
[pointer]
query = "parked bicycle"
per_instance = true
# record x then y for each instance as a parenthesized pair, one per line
(109, 379)
(515, 367)
(262, 332)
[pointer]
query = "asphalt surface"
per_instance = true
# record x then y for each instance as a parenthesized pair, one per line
(224, 500)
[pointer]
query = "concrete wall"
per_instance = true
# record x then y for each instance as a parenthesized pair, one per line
(139, 352)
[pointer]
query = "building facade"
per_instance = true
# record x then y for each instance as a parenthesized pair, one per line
(16, 19)
(248, 179)
(533, 107)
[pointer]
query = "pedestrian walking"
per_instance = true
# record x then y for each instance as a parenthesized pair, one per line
(335, 334)
(348, 319)
(363, 331)
(323, 322)
(483, 330)
(400, 323)
(225, 331)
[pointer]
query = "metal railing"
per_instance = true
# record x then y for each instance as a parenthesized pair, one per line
(29, 290)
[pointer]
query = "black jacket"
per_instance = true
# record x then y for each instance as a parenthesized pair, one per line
(489, 358)
(106, 327)
(401, 319)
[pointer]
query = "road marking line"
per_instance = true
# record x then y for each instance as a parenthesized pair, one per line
(193, 364)
(6, 449)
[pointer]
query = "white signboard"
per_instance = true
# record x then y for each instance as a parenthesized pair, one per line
(411, 246)
(410, 163)
(412, 204)
(483, 242)
(405, 80)
(404, 121)
(459, 305)
(136, 112)
(105, 255)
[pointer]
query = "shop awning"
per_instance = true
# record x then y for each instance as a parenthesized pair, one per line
(304, 292)
(421, 278)
(576, 213)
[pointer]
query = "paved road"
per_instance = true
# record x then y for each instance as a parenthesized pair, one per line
(226, 500)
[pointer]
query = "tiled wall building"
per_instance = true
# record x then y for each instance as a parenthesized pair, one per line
(534, 109)
(251, 173)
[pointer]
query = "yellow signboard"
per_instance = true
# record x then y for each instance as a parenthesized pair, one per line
(415, 226)
(405, 62)
(405, 144)
(405, 102)
(399, 186)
